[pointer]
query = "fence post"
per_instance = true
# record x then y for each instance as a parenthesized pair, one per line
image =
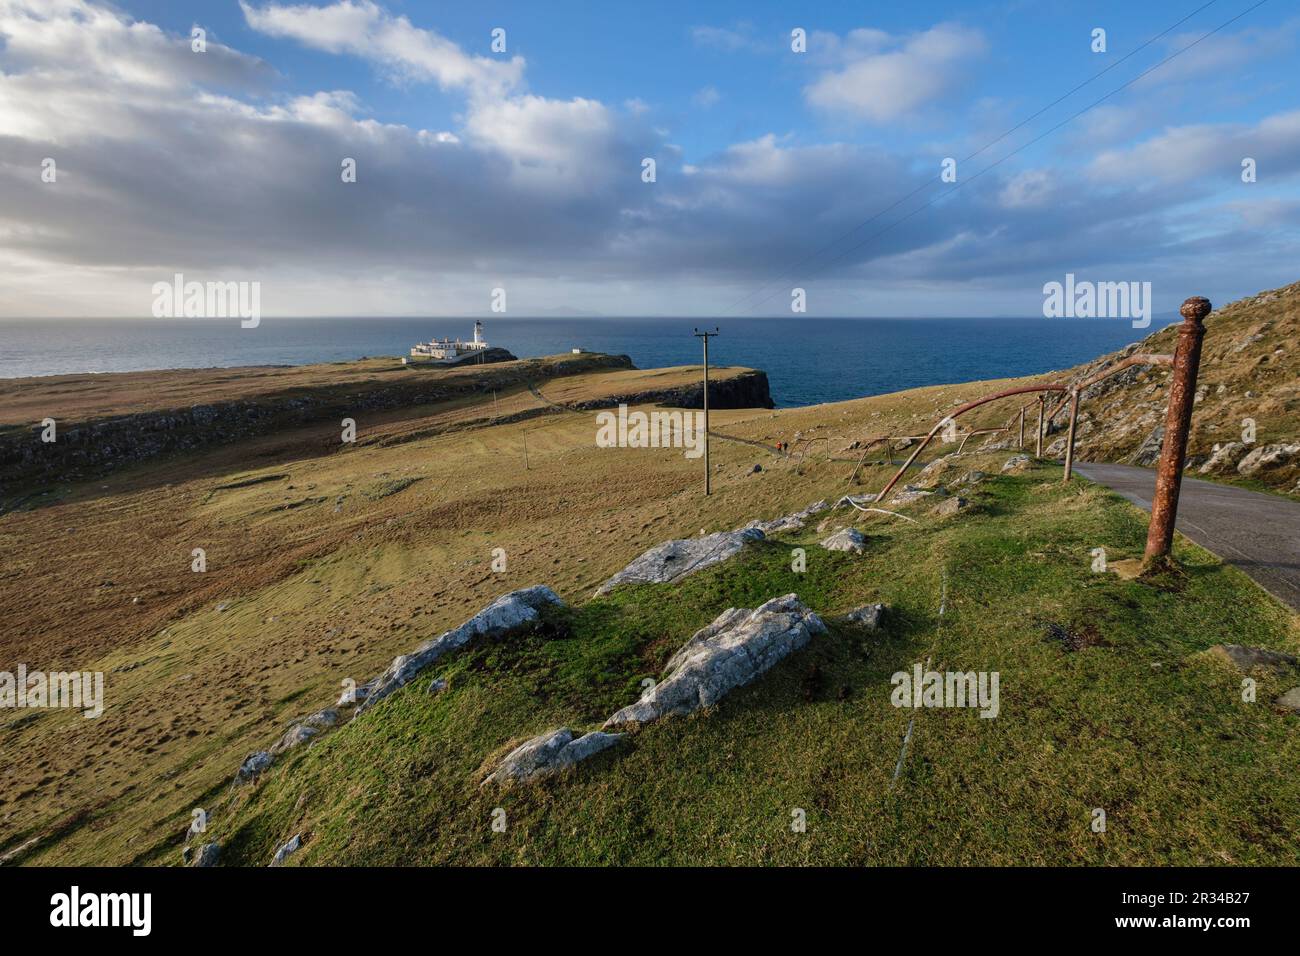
(1038, 448)
(1069, 441)
(1178, 419)
(1022, 428)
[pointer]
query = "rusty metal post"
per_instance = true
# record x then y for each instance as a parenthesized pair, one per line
(1178, 420)
(1069, 441)
(1038, 448)
(1022, 428)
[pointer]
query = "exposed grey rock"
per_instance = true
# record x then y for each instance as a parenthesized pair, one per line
(738, 646)
(972, 477)
(1056, 449)
(295, 736)
(1148, 453)
(1016, 462)
(675, 559)
(506, 614)
(868, 616)
(1223, 457)
(358, 696)
(1247, 658)
(288, 848)
(846, 539)
(549, 753)
(790, 522)
(950, 506)
(1267, 456)
(253, 766)
(208, 855)
(322, 719)
(912, 493)
(1290, 700)
(437, 686)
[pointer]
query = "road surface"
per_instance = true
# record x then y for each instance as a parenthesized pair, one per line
(1256, 532)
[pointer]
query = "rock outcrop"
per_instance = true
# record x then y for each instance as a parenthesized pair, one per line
(738, 646)
(949, 507)
(790, 522)
(548, 754)
(1266, 457)
(511, 612)
(287, 849)
(1223, 457)
(868, 616)
(674, 560)
(846, 539)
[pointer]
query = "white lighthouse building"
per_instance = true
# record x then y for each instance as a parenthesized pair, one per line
(448, 351)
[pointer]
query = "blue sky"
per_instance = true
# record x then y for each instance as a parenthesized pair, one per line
(521, 170)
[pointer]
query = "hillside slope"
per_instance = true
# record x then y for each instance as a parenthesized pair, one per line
(1250, 372)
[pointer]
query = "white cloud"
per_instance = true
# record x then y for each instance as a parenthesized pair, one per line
(362, 28)
(883, 78)
(706, 97)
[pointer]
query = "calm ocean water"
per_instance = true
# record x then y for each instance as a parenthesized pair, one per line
(807, 360)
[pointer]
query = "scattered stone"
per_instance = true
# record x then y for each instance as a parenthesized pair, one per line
(1268, 456)
(437, 686)
(253, 766)
(1223, 457)
(674, 560)
(1017, 463)
(972, 477)
(208, 855)
(509, 613)
(1247, 658)
(790, 522)
(846, 539)
(756, 469)
(288, 848)
(912, 493)
(949, 506)
(549, 753)
(868, 616)
(738, 646)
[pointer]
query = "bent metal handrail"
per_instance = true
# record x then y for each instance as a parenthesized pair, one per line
(1069, 392)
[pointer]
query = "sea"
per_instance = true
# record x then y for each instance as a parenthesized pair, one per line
(807, 360)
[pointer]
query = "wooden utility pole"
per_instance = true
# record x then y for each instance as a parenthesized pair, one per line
(1178, 420)
(1038, 446)
(708, 477)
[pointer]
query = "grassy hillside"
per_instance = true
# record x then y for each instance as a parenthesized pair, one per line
(1134, 723)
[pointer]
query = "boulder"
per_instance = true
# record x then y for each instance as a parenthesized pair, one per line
(1017, 463)
(949, 506)
(849, 501)
(253, 766)
(868, 616)
(1223, 457)
(509, 613)
(738, 646)
(846, 539)
(289, 847)
(1290, 700)
(1267, 456)
(437, 686)
(208, 855)
(972, 477)
(549, 753)
(674, 560)
(295, 736)
(911, 493)
(322, 719)
(1247, 658)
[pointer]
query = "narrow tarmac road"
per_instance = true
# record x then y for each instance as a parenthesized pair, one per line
(1258, 533)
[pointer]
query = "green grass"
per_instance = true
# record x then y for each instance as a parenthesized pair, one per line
(1136, 724)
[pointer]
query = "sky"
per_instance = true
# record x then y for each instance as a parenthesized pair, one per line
(525, 168)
